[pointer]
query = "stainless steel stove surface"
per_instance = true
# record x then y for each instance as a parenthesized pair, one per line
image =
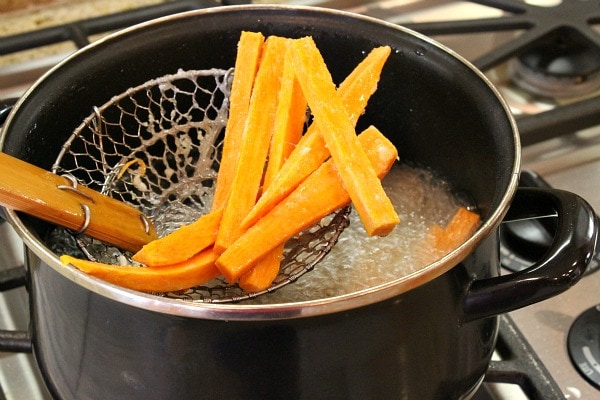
(556, 99)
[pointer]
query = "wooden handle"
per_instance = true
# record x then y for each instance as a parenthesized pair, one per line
(35, 191)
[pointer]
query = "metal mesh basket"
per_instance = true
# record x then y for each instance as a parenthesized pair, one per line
(157, 147)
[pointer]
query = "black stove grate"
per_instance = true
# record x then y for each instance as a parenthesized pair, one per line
(539, 23)
(520, 365)
(577, 17)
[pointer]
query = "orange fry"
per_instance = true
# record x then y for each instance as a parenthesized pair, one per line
(310, 152)
(246, 64)
(193, 272)
(288, 127)
(462, 225)
(253, 151)
(317, 196)
(359, 177)
(182, 243)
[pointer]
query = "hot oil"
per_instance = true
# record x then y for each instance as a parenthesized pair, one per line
(359, 262)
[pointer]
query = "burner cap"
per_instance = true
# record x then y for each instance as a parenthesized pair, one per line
(563, 65)
(583, 345)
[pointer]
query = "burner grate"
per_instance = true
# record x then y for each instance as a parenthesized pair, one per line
(520, 365)
(539, 24)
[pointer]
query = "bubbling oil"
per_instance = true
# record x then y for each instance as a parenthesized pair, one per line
(359, 262)
(356, 262)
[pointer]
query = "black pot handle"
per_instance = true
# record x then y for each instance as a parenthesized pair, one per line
(560, 268)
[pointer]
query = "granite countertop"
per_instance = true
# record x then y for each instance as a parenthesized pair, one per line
(39, 14)
(55, 12)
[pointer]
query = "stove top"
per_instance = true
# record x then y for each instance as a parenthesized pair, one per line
(555, 96)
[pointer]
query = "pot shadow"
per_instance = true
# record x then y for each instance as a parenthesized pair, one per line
(554, 320)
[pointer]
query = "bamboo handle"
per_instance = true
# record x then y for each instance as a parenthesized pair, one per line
(35, 191)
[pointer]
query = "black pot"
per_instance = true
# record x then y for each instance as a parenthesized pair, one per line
(429, 335)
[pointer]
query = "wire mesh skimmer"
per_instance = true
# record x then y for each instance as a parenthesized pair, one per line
(157, 147)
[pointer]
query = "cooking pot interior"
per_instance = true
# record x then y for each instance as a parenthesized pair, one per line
(435, 108)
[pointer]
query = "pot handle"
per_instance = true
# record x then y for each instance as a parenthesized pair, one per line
(561, 267)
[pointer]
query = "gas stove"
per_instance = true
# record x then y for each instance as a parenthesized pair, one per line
(544, 57)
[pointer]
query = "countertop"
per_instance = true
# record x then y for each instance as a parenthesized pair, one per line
(47, 13)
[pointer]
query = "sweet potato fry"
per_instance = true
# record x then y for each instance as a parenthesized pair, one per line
(181, 244)
(246, 64)
(288, 127)
(255, 144)
(462, 225)
(355, 91)
(317, 196)
(289, 120)
(193, 272)
(263, 273)
(359, 177)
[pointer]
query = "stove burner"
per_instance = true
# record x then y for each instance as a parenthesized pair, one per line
(584, 345)
(530, 24)
(562, 65)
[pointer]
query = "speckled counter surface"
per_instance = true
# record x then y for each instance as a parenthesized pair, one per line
(51, 13)
(57, 12)
(20, 69)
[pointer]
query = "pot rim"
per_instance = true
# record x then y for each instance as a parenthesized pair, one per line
(240, 312)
